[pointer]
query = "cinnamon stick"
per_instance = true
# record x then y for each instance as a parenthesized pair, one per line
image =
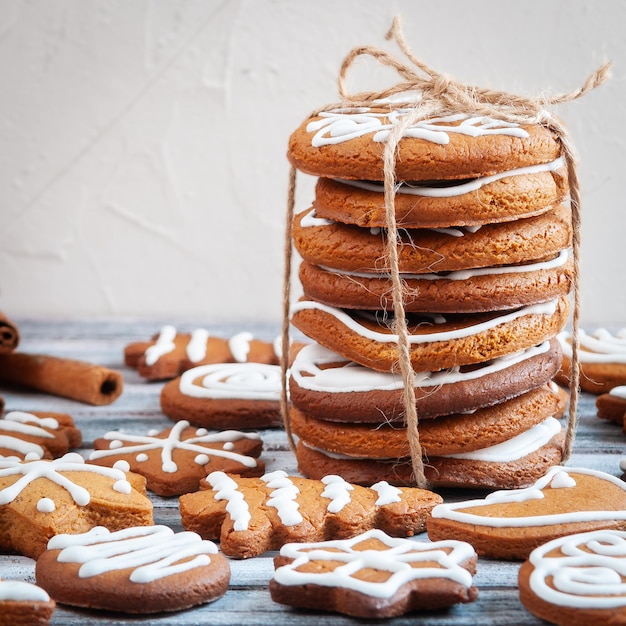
(9, 334)
(68, 378)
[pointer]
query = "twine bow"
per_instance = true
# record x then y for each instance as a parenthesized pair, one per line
(436, 95)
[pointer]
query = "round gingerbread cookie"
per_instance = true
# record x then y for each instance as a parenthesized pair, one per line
(577, 580)
(463, 291)
(324, 385)
(451, 434)
(436, 342)
(601, 358)
(612, 405)
(349, 143)
(147, 569)
(509, 525)
(502, 197)
(24, 604)
(225, 396)
(510, 465)
(351, 248)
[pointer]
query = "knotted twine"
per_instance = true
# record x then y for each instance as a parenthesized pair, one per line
(437, 95)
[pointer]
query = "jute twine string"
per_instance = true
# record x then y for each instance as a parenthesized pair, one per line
(438, 95)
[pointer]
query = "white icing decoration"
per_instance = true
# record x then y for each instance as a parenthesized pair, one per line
(51, 470)
(227, 489)
(152, 552)
(308, 372)
(116, 443)
(589, 574)
(229, 445)
(25, 448)
(558, 261)
(122, 486)
(197, 346)
(546, 308)
(458, 188)
(619, 392)
(239, 346)
(282, 496)
(122, 465)
(600, 346)
(141, 457)
(562, 480)
(338, 490)
(247, 381)
(454, 511)
(201, 459)
(46, 505)
(142, 443)
(21, 591)
(515, 448)
(387, 494)
(163, 345)
(342, 125)
(395, 560)
(29, 424)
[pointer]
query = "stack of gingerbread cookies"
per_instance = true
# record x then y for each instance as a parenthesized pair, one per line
(483, 237)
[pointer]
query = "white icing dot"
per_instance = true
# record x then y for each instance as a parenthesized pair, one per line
(115, 444)
(201, 432)
(229, 445)
(202, 459)
(122, 486)
(169, 467)
(122, 465)
(141, 457)
(561, 480)
(46, 505)
(32, 456)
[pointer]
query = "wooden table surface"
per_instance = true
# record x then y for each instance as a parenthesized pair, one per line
(598, 445)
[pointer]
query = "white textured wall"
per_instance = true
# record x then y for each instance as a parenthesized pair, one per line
(142, 166)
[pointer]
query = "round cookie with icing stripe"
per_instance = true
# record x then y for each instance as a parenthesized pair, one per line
(225, 396)
(577, 580)
(601, 356)
(349, 143)
(447, 435)
(324, 385)
(509, 465)
(436, 342)
(509, 525)
(506, 196)
(175, 460)
(170, 353)
(612, 405)
(135, 570)
(23, 603)
(350, 248)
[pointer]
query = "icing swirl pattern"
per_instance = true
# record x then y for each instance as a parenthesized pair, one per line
(586, 570)
(339, 126)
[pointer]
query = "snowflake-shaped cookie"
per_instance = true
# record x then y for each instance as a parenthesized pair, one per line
(176, 459)
(374, 575)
